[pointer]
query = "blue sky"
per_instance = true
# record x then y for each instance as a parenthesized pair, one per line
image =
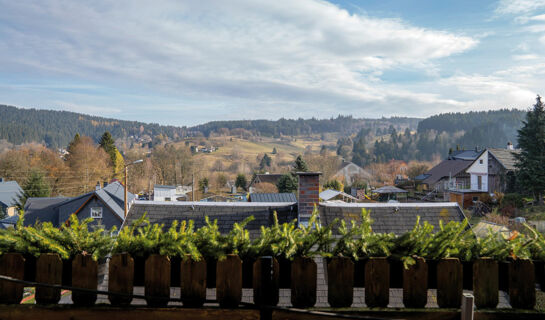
(189, 62)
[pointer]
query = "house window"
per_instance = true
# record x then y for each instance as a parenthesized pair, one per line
(481, 161)
(475, 199)
(96, 213)
(167, 199)
(479, 182)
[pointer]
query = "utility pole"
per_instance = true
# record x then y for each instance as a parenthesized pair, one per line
(127, 187)
(192, 186)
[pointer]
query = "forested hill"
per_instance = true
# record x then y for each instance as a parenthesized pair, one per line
(57, 128)
(477, 128)
(288, 127)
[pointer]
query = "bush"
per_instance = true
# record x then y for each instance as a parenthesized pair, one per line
(514, 200)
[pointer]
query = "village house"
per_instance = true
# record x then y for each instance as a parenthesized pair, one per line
(271, 178)
(351, 172)
(9, 195)
(104, 204)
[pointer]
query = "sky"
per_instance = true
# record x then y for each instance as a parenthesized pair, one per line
(189, 62)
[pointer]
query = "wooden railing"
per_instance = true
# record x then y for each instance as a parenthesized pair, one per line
(486, 277)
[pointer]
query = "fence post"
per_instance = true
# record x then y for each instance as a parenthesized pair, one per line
(415, 284)
(377, 282)
(48, 270)
(522, 292)
(467, 307)
(157, 280)
(303, 282)
(193, 282)
(12, 265)
(485, 282)
(265, 283)
(340, 282)
(120, 278)
(84, 275)
(449, 283)
(229, 281)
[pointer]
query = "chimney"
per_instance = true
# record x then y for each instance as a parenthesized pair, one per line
(308, 194)
(97, 187)
(510, 146)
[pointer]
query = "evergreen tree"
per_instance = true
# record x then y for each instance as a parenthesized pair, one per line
(359, 153)
(300, 165)
(35, 187)
(287, 183)
(531, 159)
(241, 182)
(274, 151)
(334, 184)
(265, 162)
(203, 184)
(73, 143)
(107, 143)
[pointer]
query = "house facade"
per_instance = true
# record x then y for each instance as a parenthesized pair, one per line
(351, 172)
(9, 194)
(164, 193)
(493, 171)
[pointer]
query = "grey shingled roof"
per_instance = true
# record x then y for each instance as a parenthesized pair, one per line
(446, 168)
(9, 193)
(389, 189)
(227, 213)
(397, 218)
(266, 178)
(273, 197)
(505, 156)
(43, 210)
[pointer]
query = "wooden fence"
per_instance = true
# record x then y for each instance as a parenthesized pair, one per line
(267, 275)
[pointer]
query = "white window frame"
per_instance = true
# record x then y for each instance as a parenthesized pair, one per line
(93, 212)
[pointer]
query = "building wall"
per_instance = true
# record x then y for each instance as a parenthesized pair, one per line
(109, 218)
(497, 181)
(479, 168)
(160, 194)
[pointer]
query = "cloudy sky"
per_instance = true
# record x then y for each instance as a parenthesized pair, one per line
(188, 62)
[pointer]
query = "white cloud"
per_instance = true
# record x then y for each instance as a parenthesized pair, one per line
(519, 6)
(303, 53)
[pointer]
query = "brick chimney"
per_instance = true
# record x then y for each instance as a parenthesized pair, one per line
(308, 194)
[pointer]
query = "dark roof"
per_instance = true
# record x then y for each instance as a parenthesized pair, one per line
(464, 155)
(505, 157)
(266, 178)
(226, 213)
(421, 177)
(273, 197)
(446, 168)
(9, 193)
(163, 186)
(389, 189)
(397, 218)
(42, 209)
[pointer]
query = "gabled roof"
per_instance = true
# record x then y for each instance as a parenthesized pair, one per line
(9, 193)
(273, 197)
(43, 210)
(266, 178)
(389, 189)
(330, 194)
(464, 155)
(505, 157)
(445, 169)
(397, 218)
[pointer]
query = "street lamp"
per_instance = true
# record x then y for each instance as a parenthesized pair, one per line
(126, 186)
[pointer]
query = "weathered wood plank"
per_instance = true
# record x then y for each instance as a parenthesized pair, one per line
(48, 270)
(84, 275)
(340, 280)
(377, 282)
(522, 292)
(12, 265)
(157, 281)
(193, 282)
(266, 281)
(120, 278)
(303, 282)
(415, 284)
(449, 283)
(229, 281)
(485, 283)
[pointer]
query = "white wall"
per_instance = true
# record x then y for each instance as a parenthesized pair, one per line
(160, 194)
(475, 182)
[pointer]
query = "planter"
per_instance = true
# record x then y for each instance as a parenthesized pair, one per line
(175, 263)
(359, 273)
(485, 283)
(193, 282)
(432, 273)
(377, 282)
(266, 281)
(211, 273)
(449, 283)
(522, 292)
(157, 280)
(467, 274)
(30, 267)
(84, 275)
(48, 270)
(396, 273)
(303, 282)
(12, 265)
(139, 271)
(247, 272)
(229, 281)
(415, 284)
(285, 273)
(120, 278)
(340, 277)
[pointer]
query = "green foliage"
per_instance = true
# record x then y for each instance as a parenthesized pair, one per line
(514, 200)
(300, 165)
(334, 184)
(287, 183)
(241, 182)
(265, 162)
(203, 184)
(35, 187)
